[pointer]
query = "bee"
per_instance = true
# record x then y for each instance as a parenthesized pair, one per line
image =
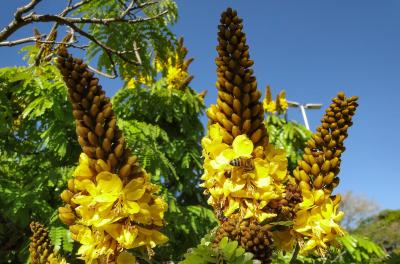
(246, 164)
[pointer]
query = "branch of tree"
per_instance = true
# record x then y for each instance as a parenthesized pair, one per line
(21, 41)
(22, 18)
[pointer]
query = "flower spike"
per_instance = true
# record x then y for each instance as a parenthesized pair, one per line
(40, 248)
(238, 109)
(110, 203)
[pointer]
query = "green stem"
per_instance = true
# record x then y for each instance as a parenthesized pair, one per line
(295, 253)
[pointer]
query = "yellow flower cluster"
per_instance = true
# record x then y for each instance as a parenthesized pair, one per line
(317, 220)
(280, 105)
(111, 212)
(248, 188)
(175, 76)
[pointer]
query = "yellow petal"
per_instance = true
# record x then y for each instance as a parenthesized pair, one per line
(263, 182)
(126, 258)
(242, 145)
(233, 206)
(309, 245)
(83, 172)
(135, 194)
(215, 132)
(106, 198)
(131, 207)
(134, 185)
(248, 214)
(108, 182)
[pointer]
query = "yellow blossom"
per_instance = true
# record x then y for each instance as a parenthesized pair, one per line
(175, 77)
(83, 170)
(234, 188)
(319, 225)
(94, 244)
(108, 194)
(280, 105)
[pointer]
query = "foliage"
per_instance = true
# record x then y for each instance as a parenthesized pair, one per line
(353, 249)
(37, 148)
(226, 252)
(186, 225)
(383, 229)
(165, 131)
(288, 135)
(152, 37)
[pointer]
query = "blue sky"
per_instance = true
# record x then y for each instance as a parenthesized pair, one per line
(312, 49)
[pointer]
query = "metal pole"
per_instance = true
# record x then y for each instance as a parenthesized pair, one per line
(303, 112)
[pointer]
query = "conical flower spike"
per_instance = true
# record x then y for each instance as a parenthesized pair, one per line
(321, 160)
(40, 248)
(96, 124)
(238, 109)
(110, 203)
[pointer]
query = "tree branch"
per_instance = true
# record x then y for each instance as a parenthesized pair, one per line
(17, 22)
(21, 41)
(22, 18)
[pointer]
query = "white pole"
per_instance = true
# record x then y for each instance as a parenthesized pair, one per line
(303, 112)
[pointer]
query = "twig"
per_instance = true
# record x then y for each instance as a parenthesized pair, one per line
(295, 253)
(84, 20)
(35, 40)
(23, 16)
(136, 50)
(15, 23)
(21, 41)
(102, 73)
(68, 9)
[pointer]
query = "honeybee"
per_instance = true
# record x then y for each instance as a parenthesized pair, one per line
(245, 163)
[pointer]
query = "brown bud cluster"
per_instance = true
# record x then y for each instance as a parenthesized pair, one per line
(321, 160)
(96, 123)
(41, 248)
(238, 109)
(285, 207)
(249, 234)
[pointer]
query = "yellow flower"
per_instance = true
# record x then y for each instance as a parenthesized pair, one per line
(149, 237)
(319, 225)
(108, 193)
(234, 188)
(83, 170)
(175, 77)
(281, 101)
(312, 198)
(280, 105)
(125, 235)
(256, 211)
(95, 244)
(268, 104)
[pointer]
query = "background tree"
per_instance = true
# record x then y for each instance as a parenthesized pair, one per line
(383, 229)
(356, 209)
(38, 147)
